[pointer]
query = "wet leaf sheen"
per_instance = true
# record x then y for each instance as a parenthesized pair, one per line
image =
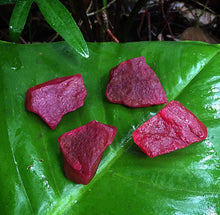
(127, 182)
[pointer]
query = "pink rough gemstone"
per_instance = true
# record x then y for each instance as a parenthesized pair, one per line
(53, 99)
(82, 150)
(174, 127)
(134, 84)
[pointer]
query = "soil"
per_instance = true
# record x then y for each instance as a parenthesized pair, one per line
(117, 21)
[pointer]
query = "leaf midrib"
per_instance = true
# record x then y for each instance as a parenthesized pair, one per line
(193, 77)
(165, 188)
(119, 152)
(65, 202)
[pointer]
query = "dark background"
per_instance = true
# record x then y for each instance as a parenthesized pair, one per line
(126, 20)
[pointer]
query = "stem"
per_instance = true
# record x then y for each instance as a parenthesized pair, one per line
(100, 10)
(80, 6)
(132, 16)
(207, 8)
(149, 25)
(165, 18)
(104, 3)
(203, 11)
(112, 35)
(117, 17)
(29, 22)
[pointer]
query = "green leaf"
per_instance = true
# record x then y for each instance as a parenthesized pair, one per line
(63, 23)
(32, 178)
(18, 18)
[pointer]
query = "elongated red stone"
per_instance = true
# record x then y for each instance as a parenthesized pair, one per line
(174, 127)
(133, 83)
(82, 150)
(53, 99)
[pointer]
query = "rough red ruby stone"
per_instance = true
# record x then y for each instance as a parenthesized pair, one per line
(82, 150)
(134, 84)
(53, 99)
(174, 127)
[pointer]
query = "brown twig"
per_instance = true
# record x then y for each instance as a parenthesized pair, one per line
(89, 7)
(98, 24)
(206, 7)
(102, 9)
(22, 40)
(141, 23)
(117, 17)
(112, 35)
(79, 5)
(54, 37)
(149, 25)
(165, 18)
(132, 15)
(146, 14)
(105, 19)
(107, 22)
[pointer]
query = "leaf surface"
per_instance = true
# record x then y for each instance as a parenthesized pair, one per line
(32, 178)
(59, 18)
(18, 18)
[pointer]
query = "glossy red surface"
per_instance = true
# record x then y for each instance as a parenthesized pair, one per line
(134, 84)
(82, 150)
(174, 127)
(53, 99)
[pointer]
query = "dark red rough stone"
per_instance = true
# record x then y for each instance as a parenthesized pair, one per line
(53, 99)
(82, 150)
(174, 127)
(133, 83)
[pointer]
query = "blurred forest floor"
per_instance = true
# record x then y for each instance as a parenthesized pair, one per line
(126, 20)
